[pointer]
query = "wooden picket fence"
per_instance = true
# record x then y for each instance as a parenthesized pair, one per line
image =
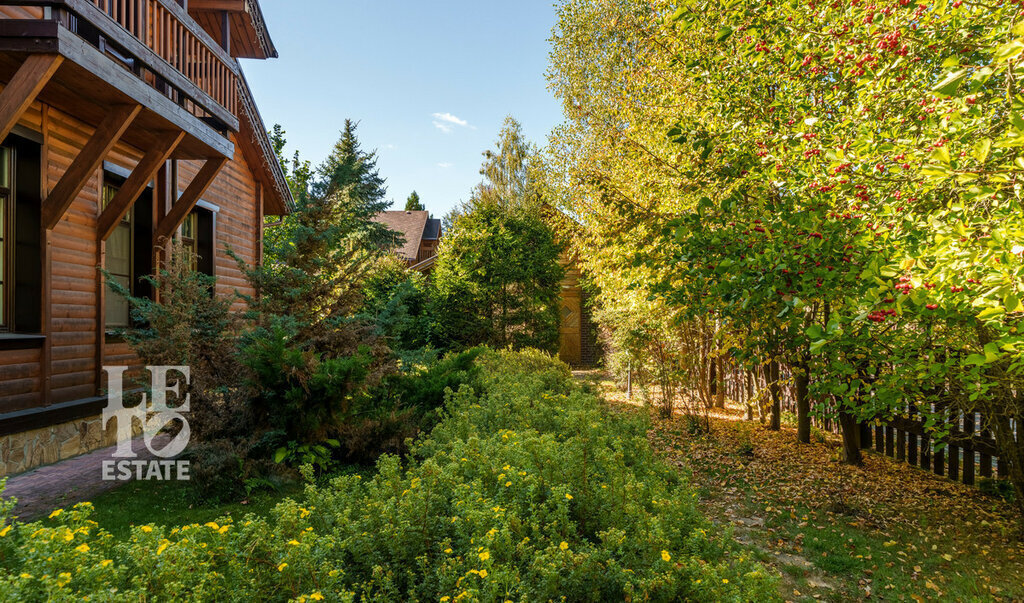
(970, 453)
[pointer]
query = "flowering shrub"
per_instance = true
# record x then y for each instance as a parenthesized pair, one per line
(529, 489)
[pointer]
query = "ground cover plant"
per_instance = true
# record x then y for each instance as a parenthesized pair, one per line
(839, 532)
(528, 489)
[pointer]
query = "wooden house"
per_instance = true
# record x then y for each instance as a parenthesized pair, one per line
(125, 124)
(419, 236)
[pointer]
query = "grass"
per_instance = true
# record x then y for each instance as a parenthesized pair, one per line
(833, 532)
(173, 504)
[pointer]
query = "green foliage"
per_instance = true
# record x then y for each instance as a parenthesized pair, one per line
(497, 277)
(302, 392)
(837, 185)
(396, 301)
(318, 456)
(529, 489)
(195, 327)
(413, 203)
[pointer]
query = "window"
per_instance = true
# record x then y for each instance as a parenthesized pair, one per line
(119, 264)
(20, 260)
(6, 211)
(197, 238)
(189, 245)
(129, 253)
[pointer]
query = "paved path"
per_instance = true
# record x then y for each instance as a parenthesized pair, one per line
(70, 481)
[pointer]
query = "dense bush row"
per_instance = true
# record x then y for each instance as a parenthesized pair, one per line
(527, 489)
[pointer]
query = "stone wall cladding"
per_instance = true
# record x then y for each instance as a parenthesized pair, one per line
(21, 452)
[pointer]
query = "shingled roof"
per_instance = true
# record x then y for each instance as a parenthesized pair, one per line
(410, 225)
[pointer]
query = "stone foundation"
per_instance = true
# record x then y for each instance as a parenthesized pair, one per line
(21, 452)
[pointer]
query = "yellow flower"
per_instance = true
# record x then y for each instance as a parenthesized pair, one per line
(316, 596)
(223, 529)
(445, 599)
(146, 529)
(725, 580)
(568, 497)
(293, 542)
(56, 513)
(162, 547)
(507, 484)
(448, 551)
(5, 531)
(564, 546)
(63, 578)
(82, 548)
(483, 573)
(484, 556)
(281, 567)
(25, 576)
(212, 525)
(106, 562)
(665, 556)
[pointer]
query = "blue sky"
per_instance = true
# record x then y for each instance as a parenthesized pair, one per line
(429, 82)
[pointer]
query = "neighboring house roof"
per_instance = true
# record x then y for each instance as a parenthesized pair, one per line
(410, 225)
(259, 153)
(432, 231)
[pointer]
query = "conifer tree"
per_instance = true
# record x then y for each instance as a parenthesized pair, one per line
(413, 202)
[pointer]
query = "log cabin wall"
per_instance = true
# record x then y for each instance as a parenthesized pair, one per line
(76, 349)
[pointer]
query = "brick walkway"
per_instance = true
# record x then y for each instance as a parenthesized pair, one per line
(63, 484)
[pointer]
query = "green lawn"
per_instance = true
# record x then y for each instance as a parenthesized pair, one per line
(174, 504)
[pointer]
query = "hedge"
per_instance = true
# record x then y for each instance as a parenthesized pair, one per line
(528, 489)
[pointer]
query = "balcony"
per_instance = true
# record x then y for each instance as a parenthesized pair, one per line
(150, 52)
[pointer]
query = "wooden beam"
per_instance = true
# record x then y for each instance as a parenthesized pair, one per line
(140, 177)
(23, 88)
(188, 199)
(225, 31)
(88, 161)
(235, 6)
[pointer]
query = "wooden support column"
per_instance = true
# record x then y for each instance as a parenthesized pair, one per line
(225, 31)
(88, 161)
(24, 87)
(137, 182)
(184, 204)
(45, 243)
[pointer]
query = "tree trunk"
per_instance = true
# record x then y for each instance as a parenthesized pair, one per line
(773, 388)
(750, 395)
(803, 403)
(851, 438)
(719, 383)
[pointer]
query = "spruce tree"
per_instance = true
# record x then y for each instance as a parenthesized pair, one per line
(349, 166)
(413, 202)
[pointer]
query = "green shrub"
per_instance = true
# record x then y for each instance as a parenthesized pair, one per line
(529, 489)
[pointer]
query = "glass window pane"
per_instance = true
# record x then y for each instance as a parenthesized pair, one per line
(5, 167)
(119, 251)
(188, 227)
(109, 191)
(118, 310)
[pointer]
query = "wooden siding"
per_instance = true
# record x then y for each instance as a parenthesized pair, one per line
(235, 193)
(75, 349)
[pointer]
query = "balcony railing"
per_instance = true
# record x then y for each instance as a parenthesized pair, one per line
(166, 29)
(162, 45)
